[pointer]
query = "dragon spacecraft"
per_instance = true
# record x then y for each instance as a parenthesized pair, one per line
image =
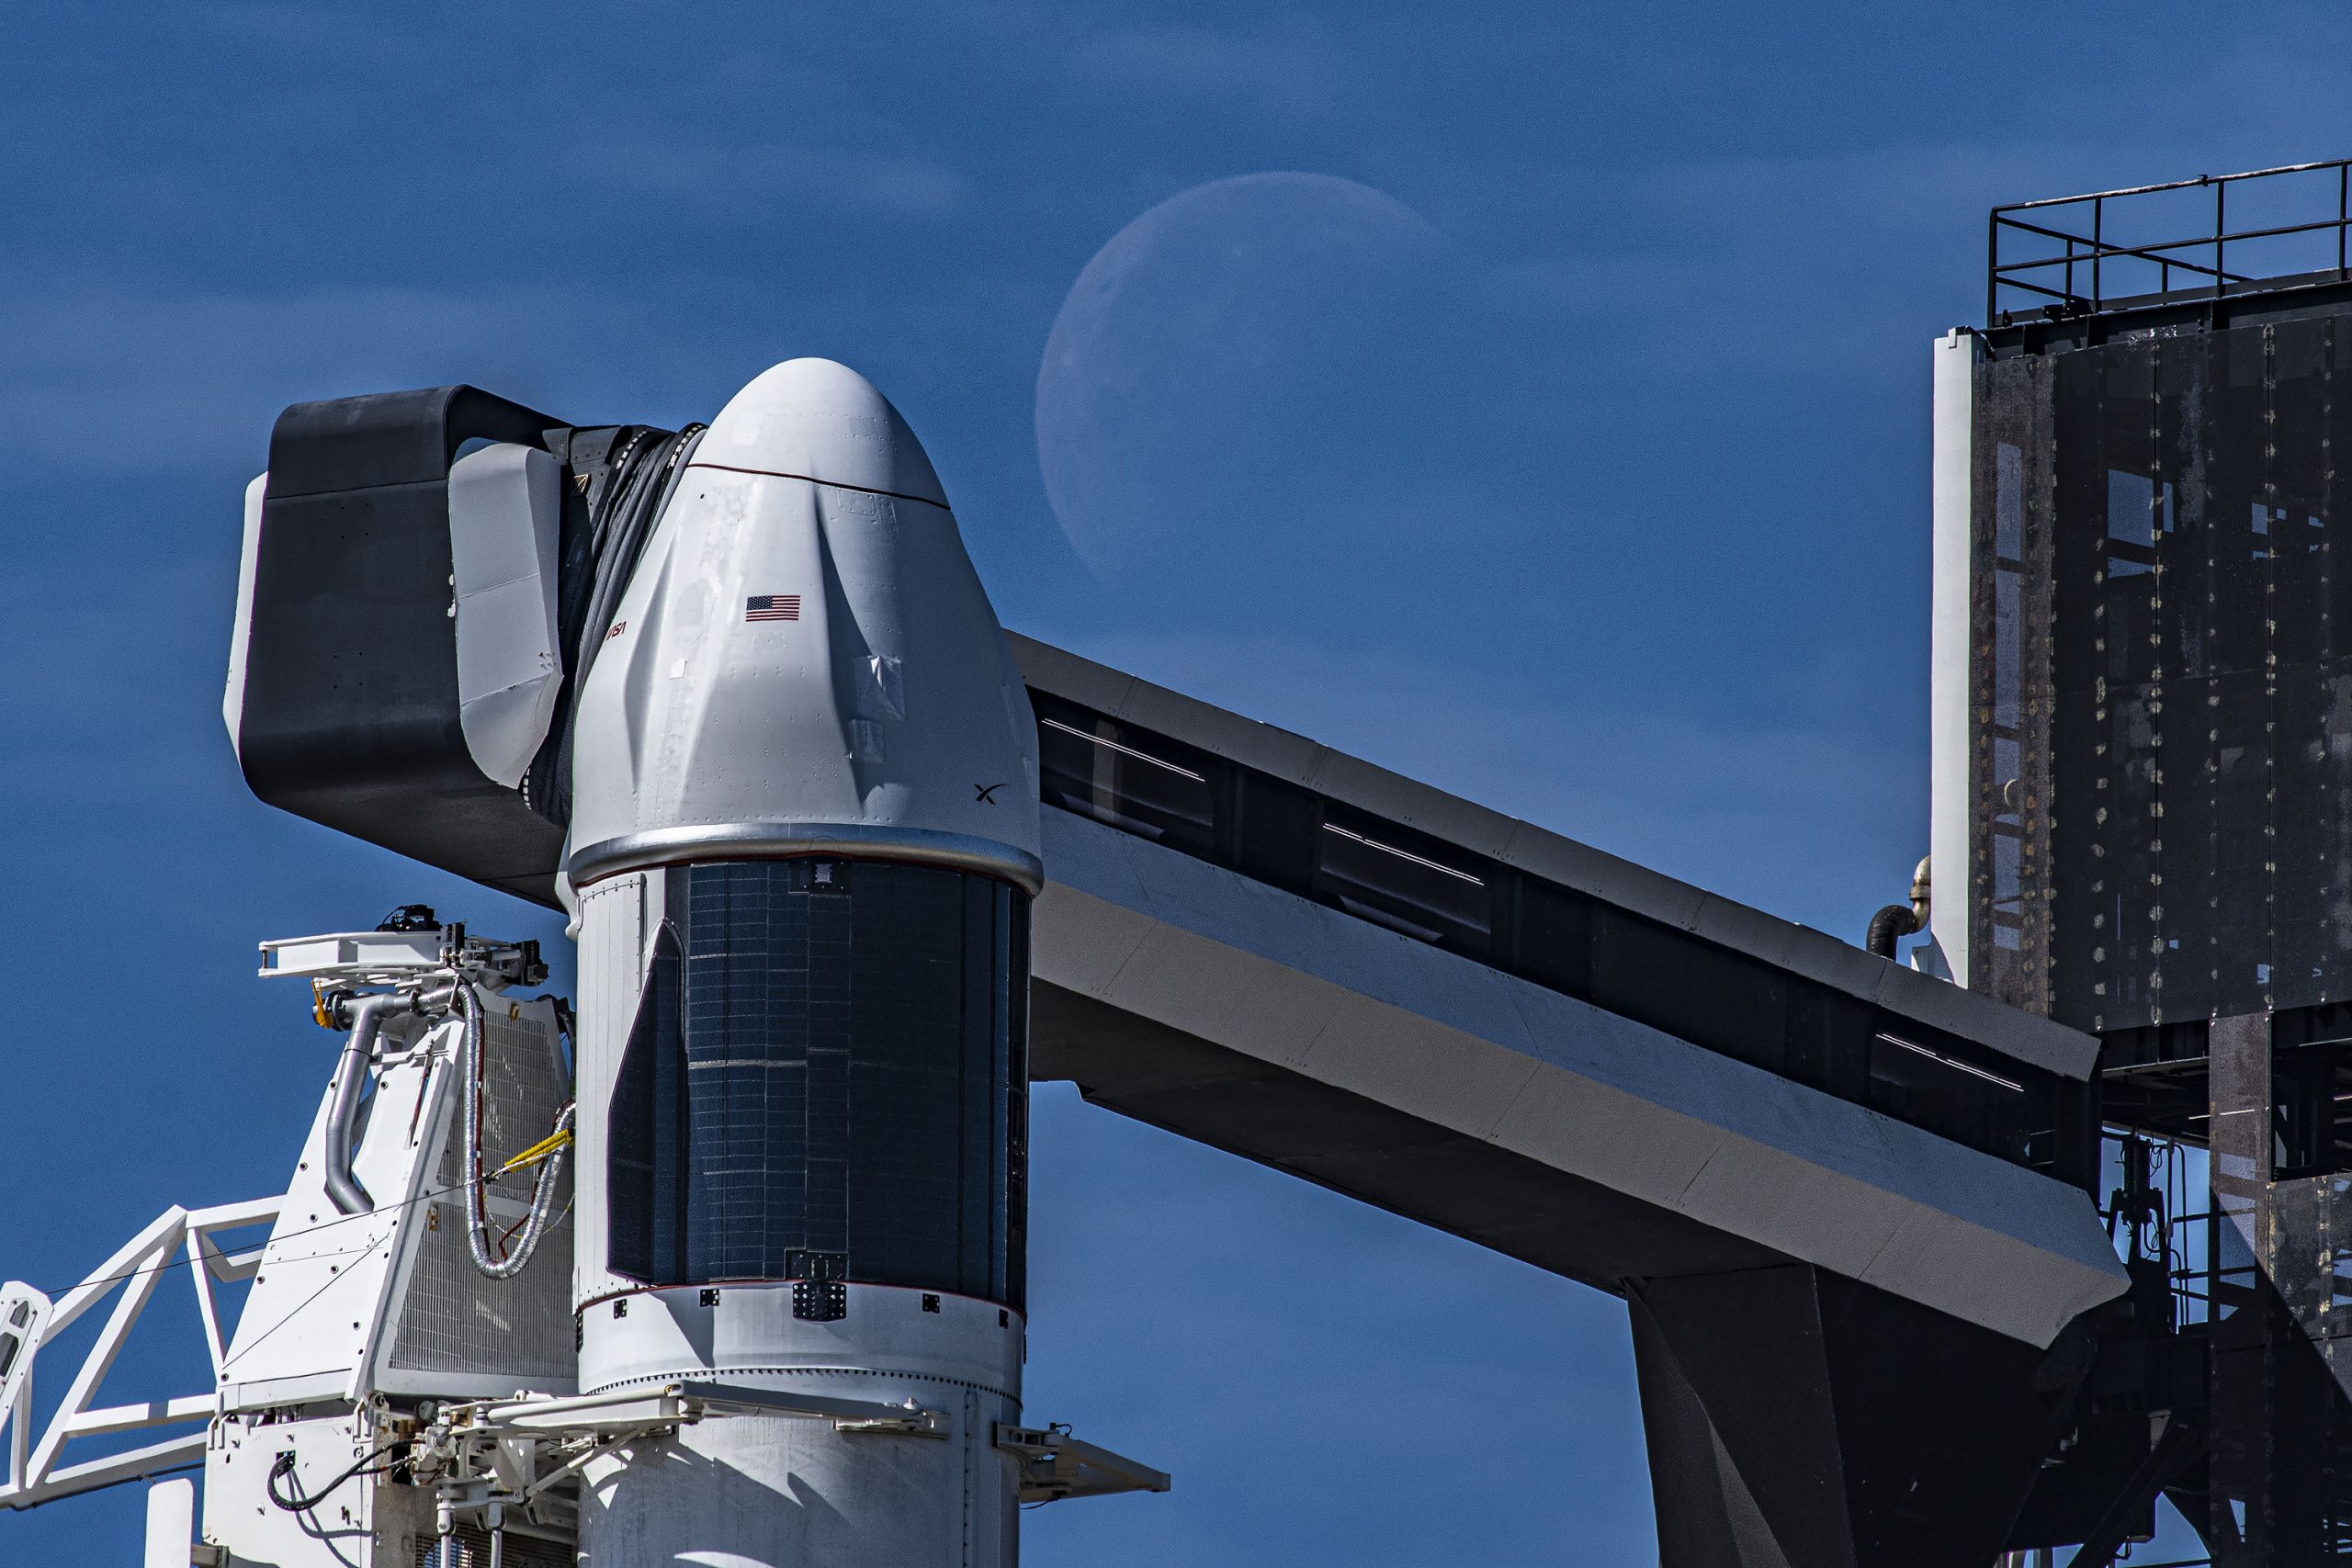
(725, 1264)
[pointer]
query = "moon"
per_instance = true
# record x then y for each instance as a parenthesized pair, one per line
(1236, 370)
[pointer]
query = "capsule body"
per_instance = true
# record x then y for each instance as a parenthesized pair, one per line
(803, 847)
(804, 660)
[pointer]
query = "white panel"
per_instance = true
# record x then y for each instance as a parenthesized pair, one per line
(617, 927)
(317, 1303)
(1756, 1190)
(1460, 1081)
(1250, 1003)
(505, 516)
(170, 1523)
(1956, 354)
(232, 702)
(366, 1522)
(327, 1315)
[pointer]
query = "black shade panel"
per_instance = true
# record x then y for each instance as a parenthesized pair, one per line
(350, 711)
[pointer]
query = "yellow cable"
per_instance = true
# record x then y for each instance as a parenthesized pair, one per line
(535, 1152)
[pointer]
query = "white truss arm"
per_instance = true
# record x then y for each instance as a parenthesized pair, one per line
(34, 1474)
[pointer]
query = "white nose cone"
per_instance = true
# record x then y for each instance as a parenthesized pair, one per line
(822, 421)
(804, 661)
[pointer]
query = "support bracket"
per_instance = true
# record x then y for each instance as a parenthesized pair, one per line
(1055, 1465)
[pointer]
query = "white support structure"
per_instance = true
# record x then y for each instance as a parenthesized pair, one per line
(1055, 1465)
(496, 1463)
(177, 1237)
(362, 1317)
(1956, 353)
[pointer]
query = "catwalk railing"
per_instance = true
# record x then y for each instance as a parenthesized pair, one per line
(2205, 237)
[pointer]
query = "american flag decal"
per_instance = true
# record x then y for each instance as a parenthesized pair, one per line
(772, 608)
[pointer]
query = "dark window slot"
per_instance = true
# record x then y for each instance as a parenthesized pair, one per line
(1404, 882)
(1126, 779)
(2150, 1044)
(2328, 1023)
(2311, 1101)
(1924, 1081)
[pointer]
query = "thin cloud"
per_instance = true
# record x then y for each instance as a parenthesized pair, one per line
(1293, 68)
(758, 177)
(199, 376)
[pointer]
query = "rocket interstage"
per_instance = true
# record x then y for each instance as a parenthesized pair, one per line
(803, 842)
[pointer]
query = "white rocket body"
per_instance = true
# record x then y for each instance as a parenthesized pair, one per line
(804, 741)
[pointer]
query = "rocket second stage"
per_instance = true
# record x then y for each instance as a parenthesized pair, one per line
(803, 844)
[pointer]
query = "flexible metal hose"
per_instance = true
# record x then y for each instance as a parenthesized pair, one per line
(542, 1190)
(367, 1015)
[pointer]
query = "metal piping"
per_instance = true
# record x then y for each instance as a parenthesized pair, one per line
(1898, 920)
(367, 1015)
(535, 1223)
(1887, 926)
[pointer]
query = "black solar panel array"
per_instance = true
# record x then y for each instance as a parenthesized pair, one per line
(821, 1078)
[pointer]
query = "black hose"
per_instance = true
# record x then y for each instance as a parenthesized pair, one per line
(629, 473)
(1894, 921)
(285, 1467)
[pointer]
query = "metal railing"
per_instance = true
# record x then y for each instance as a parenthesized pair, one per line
(2072, 272)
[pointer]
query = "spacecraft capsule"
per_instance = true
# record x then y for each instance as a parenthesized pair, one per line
(805, 660)
(804, 840)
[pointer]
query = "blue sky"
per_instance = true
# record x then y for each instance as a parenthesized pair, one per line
(1570, 454)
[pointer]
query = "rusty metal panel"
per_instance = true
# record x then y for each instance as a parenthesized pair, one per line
(2162, 677)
